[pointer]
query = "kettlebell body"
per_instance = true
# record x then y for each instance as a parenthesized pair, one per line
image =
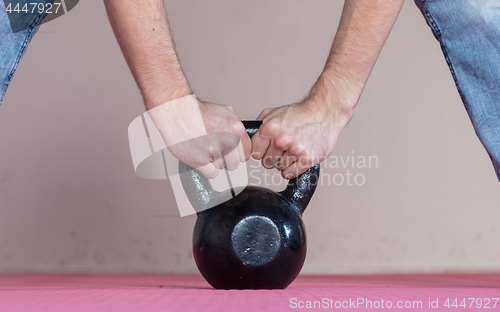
(255, 240)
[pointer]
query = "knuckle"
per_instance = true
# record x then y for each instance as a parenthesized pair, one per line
(282, 142)
(238, 127)
(298, 149)
(271, 127)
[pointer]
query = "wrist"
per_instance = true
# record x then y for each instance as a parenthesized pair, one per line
(158, 94)
(335, 96)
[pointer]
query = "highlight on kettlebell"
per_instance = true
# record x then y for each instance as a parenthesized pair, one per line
(156, 148)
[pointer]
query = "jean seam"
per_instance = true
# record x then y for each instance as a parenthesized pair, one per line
(20, 53)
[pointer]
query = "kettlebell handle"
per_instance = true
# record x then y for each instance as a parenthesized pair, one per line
(252, 126)
(201, 194)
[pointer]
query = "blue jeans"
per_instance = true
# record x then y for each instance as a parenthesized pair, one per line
(469, 34)
(14, 44)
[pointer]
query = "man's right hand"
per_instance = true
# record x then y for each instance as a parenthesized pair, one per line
(205, 136)
(220, 121)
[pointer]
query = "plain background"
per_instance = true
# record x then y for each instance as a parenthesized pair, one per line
(71, 202)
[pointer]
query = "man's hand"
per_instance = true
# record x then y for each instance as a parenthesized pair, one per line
(220, 119)
(295, 137)
(217, 141)
(143, 33)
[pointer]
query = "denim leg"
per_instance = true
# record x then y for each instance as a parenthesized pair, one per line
(13, 44)
(469, 34)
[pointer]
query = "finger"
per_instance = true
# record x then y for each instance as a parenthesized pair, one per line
(301, 165)
(245, 147)
(218, 163)
(260, 145)
(241, 152)
(221, 144)
(264, 113)
(232, 160)
(272, 156)
(245, 144)
(293, 171)
(209, 171)
(262, 141)
(279, 145)
(214, 154)
(286, 160)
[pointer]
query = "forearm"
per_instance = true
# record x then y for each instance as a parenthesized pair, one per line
(362, 32)
(143, 34)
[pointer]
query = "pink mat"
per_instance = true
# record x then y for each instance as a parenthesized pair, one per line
(95, 293)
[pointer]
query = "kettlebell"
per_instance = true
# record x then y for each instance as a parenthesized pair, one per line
(255, 240)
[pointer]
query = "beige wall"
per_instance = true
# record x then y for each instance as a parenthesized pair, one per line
(70, 200)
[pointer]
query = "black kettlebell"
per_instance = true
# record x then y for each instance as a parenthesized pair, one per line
(255, 240)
